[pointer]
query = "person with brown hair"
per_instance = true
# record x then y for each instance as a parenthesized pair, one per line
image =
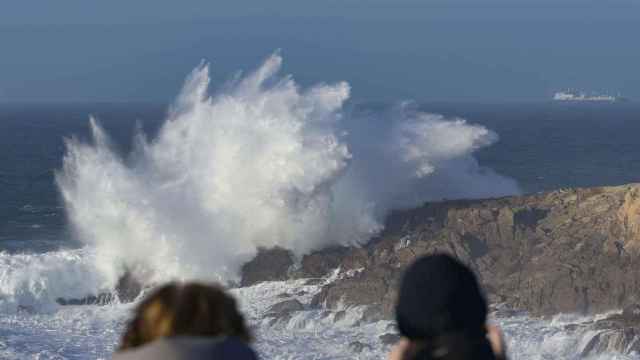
(441, 314)
(186, 321)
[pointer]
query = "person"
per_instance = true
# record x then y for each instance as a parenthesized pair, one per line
(186, 321)
(441, 314)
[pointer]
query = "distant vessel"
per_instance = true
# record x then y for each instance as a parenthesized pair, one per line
(572, 96)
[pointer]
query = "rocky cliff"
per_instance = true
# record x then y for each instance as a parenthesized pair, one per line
(570, 250)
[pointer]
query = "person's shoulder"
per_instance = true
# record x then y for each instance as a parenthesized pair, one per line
(234, 348)
(190, 348)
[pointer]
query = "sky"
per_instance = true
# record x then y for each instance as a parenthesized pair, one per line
(388, 50)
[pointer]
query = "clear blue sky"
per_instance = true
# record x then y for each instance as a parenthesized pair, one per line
(81, 50)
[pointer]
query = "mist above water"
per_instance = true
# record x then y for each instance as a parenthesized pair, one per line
(261, 162)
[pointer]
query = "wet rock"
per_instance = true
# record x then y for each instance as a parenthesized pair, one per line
(389, 339)
(101, 299)
(615, 333)
(548, 253)
(268, 265)
(503, 311)
(625, 341)
(272, 321)
(340, 315)
(314, 281)
(321, 263)
(372, 314)
(564, 251)
(374, 289)
(285, 308)
(573, 327)
(128, 288)
(358, 347)
(632, 313)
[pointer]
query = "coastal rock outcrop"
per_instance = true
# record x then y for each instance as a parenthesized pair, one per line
(268, 265)
(618, 332)
(565, 251)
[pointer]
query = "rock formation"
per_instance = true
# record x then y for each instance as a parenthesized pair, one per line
(566, 251)
(127, 290)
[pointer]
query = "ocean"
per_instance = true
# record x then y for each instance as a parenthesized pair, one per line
(300, 166)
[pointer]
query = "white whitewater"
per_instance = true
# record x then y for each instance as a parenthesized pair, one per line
(93, 332)
(260, 162)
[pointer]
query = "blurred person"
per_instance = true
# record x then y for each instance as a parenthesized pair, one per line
(188, 321)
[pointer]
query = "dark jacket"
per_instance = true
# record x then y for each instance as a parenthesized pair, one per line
(190, 348)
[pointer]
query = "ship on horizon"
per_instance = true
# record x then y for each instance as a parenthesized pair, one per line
(581, 96)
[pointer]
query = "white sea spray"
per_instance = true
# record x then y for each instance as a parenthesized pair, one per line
(260, 163)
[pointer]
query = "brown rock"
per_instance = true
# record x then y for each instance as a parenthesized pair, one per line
(268, 265)
(320, 263)
(571, 250)
(616, 333)
(285, 307)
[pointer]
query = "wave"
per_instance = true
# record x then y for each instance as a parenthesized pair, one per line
(261, 163)
(94, 331)
(33, 282)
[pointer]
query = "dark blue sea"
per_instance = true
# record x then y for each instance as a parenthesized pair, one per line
(543, 146)
(129, 211)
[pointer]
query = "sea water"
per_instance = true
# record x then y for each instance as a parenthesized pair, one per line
(300, 149)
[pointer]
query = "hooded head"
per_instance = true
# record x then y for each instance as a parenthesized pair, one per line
(440, 296)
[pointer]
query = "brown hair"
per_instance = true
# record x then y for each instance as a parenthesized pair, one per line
(190, 309)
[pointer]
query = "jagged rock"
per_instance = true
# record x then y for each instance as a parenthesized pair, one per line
(565, 251)
(373, 288)
(502, 310)
(374, 313)
(128, 288)
(624, 341)
(100, 299)
(268, 265)
(320, 263)
(632, 313)
(314, 281)
(389, 339)
(285, 308)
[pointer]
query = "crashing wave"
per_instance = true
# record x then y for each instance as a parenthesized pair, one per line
(260, 163)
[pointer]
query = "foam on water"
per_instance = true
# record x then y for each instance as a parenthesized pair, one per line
(93, 332)
(32, 282)
(71, 332)
(261, 162)
(529, 338)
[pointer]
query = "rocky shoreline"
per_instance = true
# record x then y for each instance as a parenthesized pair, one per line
(573, 251)
(565, 251)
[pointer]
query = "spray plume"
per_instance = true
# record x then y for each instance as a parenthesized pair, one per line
(261, 163)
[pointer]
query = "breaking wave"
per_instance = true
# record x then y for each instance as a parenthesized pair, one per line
(33, 282)
(261, 162)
